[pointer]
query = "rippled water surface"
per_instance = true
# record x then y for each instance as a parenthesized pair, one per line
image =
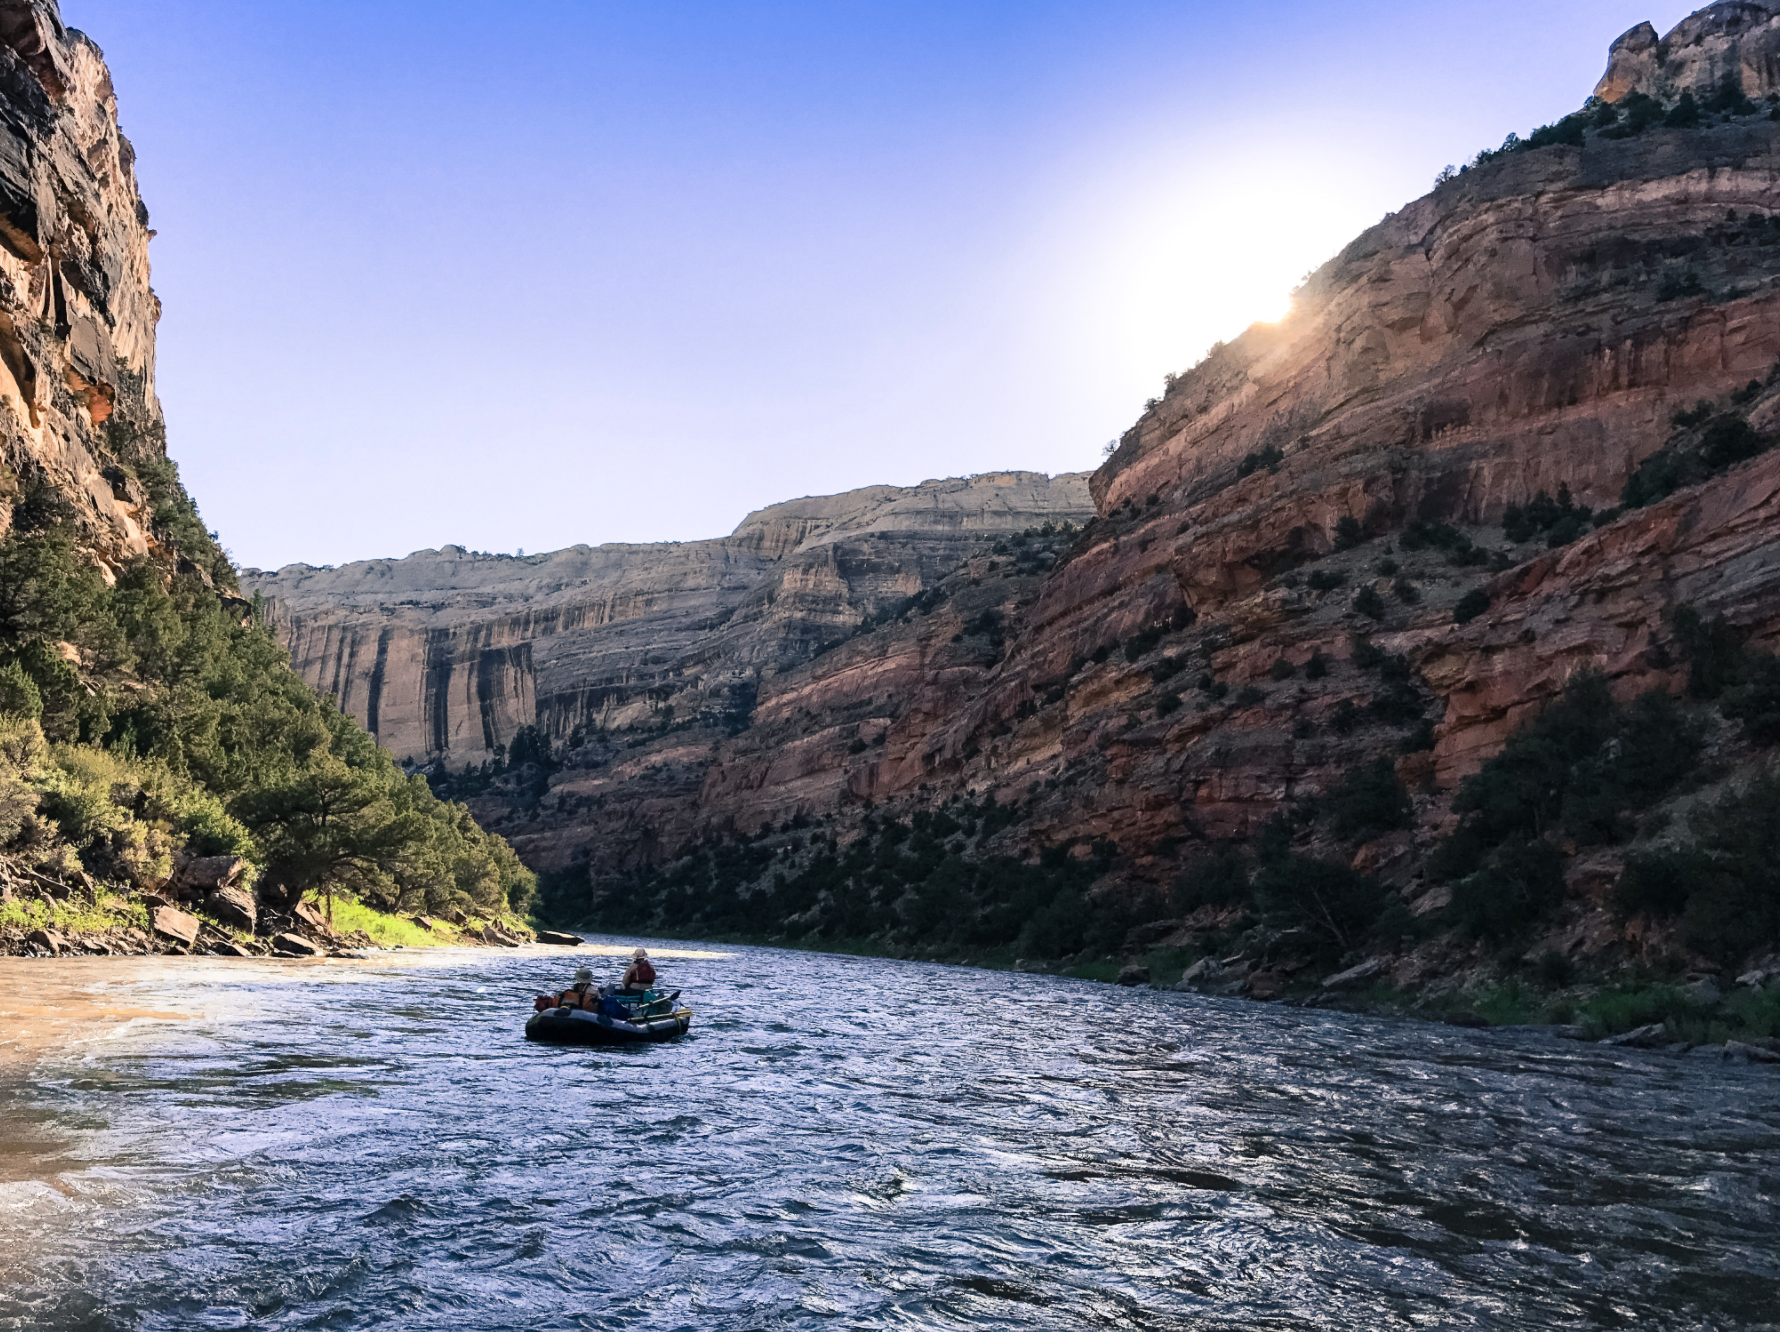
(851, 1143)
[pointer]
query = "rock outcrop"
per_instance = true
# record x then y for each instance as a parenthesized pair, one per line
(77, 314)
(1735, 40)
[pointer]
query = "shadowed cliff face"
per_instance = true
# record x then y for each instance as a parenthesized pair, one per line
(447, 654)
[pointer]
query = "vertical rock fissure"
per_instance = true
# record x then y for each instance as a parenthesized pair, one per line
(374, 685)
(436, 674)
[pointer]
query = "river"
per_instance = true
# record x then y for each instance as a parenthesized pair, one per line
(855, 1143)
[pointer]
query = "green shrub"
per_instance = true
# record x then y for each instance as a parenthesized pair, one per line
(1583, 766)
(1283, 669)
(1269, 458)
(1406, 591)
(1249, 696)
(1556, 969)
(19, 695)
(1561, 520)
(1168, 705)
(1141, 644)
(1520, 884)
(180, 725)
(1755, 701)
(1325, 580)
(1332, 901)
(1218, 880)
(1660, 882)
(1348, 533)
(1684, 114)
(1695, 454)
(1638, 112)
(1421, 535)
(1470, 606)
(1316, 668)
(1567, 131)
(1678, 284)
(1652, 746)
(1164, 670)
(1368, 603)
(1729, 440)
(1370, 801)
(1420, 740)
(1725, 884)
(1717, 659)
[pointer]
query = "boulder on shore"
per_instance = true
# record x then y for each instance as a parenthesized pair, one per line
(560, 939)
(172, 923)
(203, 875)
(1210, 976)
(308, 914)
(1134, 975)
(1354, 975)
(294, 945)
(1265, 985)
(1752, 1053)
(233, 906)
(48, 939)
(1650, 1037)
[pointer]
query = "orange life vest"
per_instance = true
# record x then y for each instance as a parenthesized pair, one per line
(576, 997)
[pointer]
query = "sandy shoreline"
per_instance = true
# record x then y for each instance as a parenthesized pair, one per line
(49, 1003)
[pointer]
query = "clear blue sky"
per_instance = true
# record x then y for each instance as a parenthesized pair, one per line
(543, 272)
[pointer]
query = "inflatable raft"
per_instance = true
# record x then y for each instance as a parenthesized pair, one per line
(622, 1019)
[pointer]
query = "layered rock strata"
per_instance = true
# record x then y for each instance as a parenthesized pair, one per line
(446, 654)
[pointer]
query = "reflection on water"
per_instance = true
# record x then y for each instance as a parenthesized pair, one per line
(859, 1144)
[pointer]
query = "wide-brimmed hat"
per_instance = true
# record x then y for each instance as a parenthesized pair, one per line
(640, 953)
(584, 974)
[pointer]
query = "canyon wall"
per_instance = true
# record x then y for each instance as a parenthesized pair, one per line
(77, 314)
(446, 654)
(1186, 668)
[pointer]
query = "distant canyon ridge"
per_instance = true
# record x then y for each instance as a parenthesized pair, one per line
(448, 654)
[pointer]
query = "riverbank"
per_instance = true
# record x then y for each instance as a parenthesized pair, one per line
(57, 919)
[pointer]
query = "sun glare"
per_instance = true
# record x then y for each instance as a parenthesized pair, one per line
(1162, 272)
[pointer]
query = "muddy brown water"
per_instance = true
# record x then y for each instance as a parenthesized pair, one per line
(846, 1143)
